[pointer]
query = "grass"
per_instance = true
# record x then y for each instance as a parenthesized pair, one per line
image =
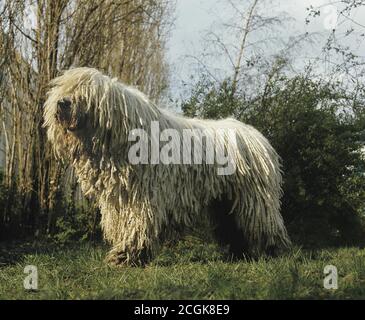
(189, 270)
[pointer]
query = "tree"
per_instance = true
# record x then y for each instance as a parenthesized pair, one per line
(242, 47)
(345, 34)
(38, 39)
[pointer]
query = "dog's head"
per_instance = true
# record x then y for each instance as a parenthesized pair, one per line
(69, 102)
(89, 109)
(70, 114)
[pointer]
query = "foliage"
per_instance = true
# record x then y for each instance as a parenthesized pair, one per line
(73, 218)
(211, 101)
(312, 127)
(79, 222)
(13, 220)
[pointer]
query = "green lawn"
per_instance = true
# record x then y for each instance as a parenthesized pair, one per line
(190, 270)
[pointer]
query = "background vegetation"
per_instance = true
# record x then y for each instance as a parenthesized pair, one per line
(319, 142)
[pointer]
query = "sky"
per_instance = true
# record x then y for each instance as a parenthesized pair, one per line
(194, 18)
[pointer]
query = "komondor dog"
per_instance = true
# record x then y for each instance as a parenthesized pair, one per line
(152, 171)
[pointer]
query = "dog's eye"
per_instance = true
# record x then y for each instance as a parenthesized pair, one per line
(64, 103)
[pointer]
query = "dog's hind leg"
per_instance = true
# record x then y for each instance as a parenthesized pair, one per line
(226, 230)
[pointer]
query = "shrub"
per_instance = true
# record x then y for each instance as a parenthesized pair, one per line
(316, 134)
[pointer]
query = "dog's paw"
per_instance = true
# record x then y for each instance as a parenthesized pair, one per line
(122, 258)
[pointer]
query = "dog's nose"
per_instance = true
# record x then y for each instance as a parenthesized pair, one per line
(64, 103)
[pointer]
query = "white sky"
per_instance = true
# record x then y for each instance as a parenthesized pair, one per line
(195, 17)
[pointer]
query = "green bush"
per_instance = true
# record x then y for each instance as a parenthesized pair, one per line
(76, 219)
(82, 224)
(71, 218)
(310, 125)
(12, 220)
(318, 145)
